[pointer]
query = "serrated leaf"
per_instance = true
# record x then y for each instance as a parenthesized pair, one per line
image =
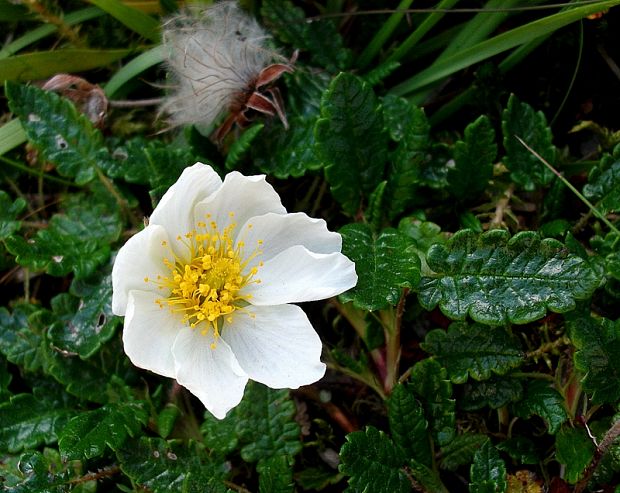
(488, 471)
(473, 160)
(162, 466)
(521, 449)
(542, 400)
(320, 39)
(373, 463)
(375, 211)
(240, 146)
(87, 320)
(423, 233)
(166, 419)
(461, 450)
(350, 140)
(317, 478)
(64, 137)
(573, 449)
(86, 435)
(520, 120)
(219, 435)
(494, 393)
(408, 425)
(9, 211)
(21, 340)
(496, 279)
(597, 356)
(385, 265)
(78, 240)
(268, 426)
(474, 349)
(38, 475)
(430, 382)
(275, 475)
(27, 422)
(427, 478)
(603, 186)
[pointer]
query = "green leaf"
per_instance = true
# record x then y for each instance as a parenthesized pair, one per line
(427, 478)
(89, 322)
(598, 356)
(162, 466)
(27, 421)
(134, 19)
(9, 211)
(275, 475)
(373, 463)
(321, 39)
(78, 240)
(408, 425)
(87, 434)
(603, 186)
(473, 160)
(461, 450)
(488, 472)
(219, 434)
(542, 400)
(385, 265)
(22, 339)
(494, 393)
(496, 279)
(350, 140)
(573, 449)
(166, 419)
(241, 146)
(477, 350)
(64, 136)
(521, 449)
(268, 427)
(38, 474)
(520, 120)
(430, 382)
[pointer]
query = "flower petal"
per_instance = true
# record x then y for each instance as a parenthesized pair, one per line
(245, 196)
(297, 275)
(174, 211)
(276, 345)
(281, 231)
(149, 333)
(141, 257)
(212, 375)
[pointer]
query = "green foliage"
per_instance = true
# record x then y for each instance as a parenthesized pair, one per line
(461, 450)
(544, 401)
(574, 451)
(494, 393)
(385, 264)
(488, 471)
(603, 188)
(275, 475)
(496, 279)
(241, 146)
(521, 449)
(8, 214)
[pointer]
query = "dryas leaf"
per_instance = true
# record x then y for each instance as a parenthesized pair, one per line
(488, 471)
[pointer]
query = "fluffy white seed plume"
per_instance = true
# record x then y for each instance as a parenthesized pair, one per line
(215, 55)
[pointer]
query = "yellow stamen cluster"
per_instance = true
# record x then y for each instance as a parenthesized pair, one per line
(207, 287)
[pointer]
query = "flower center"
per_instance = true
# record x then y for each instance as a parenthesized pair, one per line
(206, 288)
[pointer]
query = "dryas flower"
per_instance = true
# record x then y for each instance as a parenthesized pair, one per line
(205, 287)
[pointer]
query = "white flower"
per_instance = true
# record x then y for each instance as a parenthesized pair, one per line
(205, 287)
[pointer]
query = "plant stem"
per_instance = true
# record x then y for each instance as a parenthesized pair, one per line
(392, 321)
(601, 449)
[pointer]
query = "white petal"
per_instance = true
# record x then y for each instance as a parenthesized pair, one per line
(175, 210)
(212, 375)
(277, 347)
(149, 333)
(281, 231)
(142, 256)
(297, 275)
(245, 196)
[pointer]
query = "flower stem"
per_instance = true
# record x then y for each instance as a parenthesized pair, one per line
(392, 320)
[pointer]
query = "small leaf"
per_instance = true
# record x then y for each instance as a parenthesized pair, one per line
(598, 356)
(8, 214)
(603, 186)
(350, 140)
(520, 120)
(521, 449)
(275, 475)
(37, 474)
(473, 160)
(426, 477)
(573, 449)
(488, 472)
(496, 279)
(385, 265)
(22, 340)
(461, 450)
(87, 434)
(240, 146)
(476, 349)
(408, 425)
(220, 435)
(542, 400)
(373, 463)
(166, 419)
(494, 393)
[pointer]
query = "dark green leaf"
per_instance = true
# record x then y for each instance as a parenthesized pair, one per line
(408, 425)
(315, 478)
(603, 186)
(64, 136)
(8, 214)
(166, 419)
(375, 211)
(373, 463)
(544, 401)
(496, 279)
(423, 233)
(573, 449)
(275, 475)
(488, 472)
(87, 434)
(430, 382)
(426, 478)
(27, 422)
(476, 349)
(461, 450)
(219, 435)
(240, 146)
(268, 427)
(520, 120)
(350, 140)
(473, 160)
(384, 265)
(494, 393)
(598, 356)
(521, 449)
(37, 474)
(22, 339)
